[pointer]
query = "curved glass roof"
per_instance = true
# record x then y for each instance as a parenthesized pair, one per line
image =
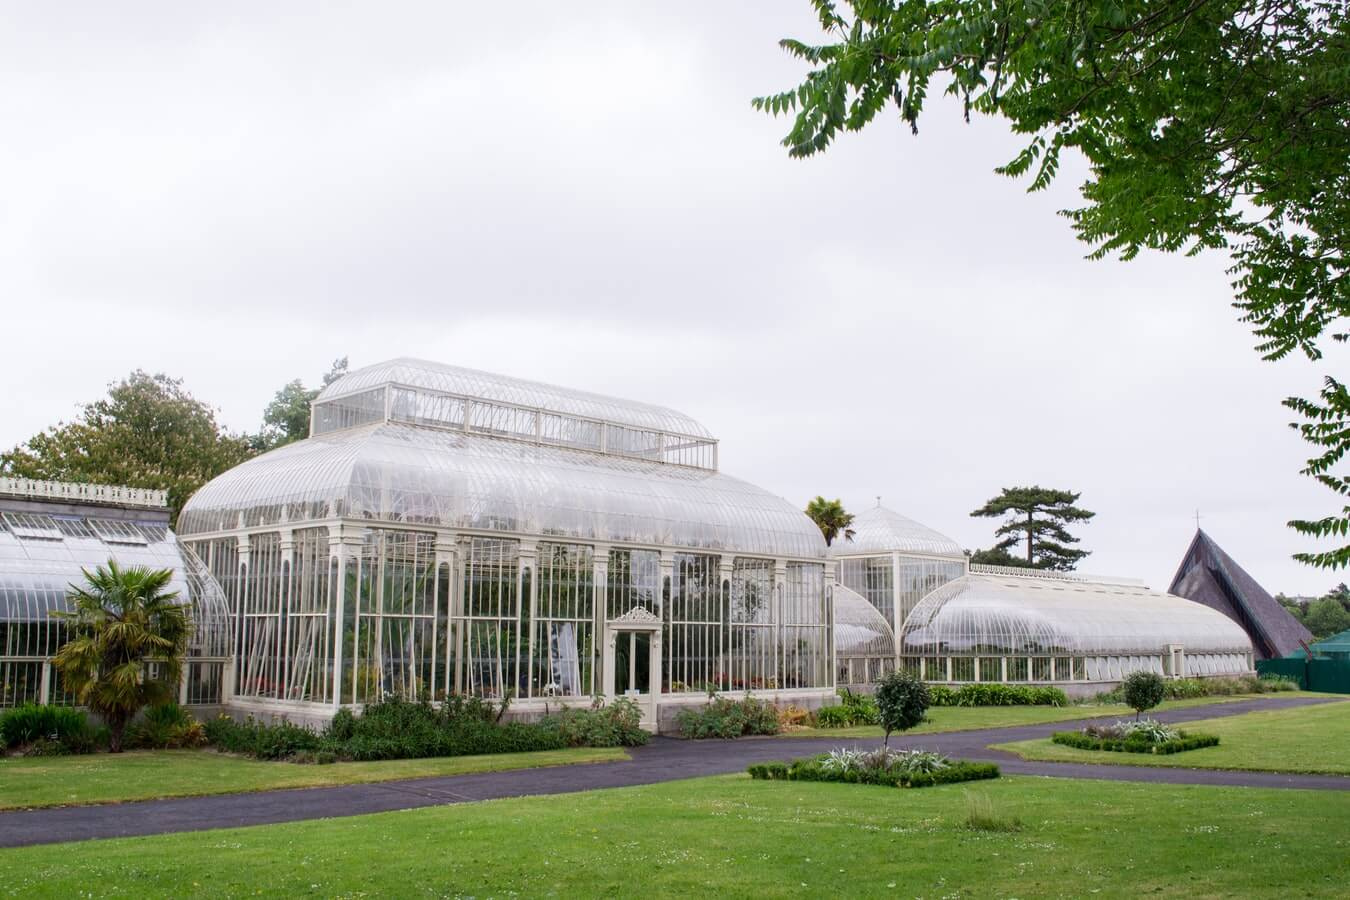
(859, 630)
(400, 473)
(434, 376)
(880, 531)
(42, 555)
(1004, 614)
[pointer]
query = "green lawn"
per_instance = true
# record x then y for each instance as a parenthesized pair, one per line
(740, 838)
(1303, 739)
(973, 718)
(142, 774)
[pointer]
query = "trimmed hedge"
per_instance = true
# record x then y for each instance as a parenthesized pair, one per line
(1179, 745)
(994, 694)
(811, 770)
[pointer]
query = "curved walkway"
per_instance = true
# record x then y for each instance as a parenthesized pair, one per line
(665, 759)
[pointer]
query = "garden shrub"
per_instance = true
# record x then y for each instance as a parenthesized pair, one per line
(837, 716)
(723, 717)
(281, 740)
(941, 695)
(994, 694)
(63, 725)
(613, 725)
(166, 727)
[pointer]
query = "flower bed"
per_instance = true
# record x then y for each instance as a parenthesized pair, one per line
(1144, 736)
(891, 768)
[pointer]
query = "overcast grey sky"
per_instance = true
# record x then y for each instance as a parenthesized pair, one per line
(580, 193)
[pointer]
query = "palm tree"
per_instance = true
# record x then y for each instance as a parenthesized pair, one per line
(830, 517)
(128, 635)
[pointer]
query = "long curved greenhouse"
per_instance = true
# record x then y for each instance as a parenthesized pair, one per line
(445, 531)
(49, 533)
(1026, 625)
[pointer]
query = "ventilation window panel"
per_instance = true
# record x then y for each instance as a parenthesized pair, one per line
(115, 532)
(32, 526)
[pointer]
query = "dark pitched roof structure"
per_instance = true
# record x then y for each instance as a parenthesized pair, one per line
(1210, 576)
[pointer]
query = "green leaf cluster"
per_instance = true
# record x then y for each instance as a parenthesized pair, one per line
(149, 432)
(1206, 124)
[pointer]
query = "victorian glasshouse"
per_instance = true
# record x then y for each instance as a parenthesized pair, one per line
(447, 531)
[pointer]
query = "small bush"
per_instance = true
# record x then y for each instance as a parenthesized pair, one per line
(612, 725)
(1273, 684)
(941, 695)
(833, 717)
(166, 727)
(1143, 690)
(902, 700)
(63, 725)
(46, 747)
(726, 718)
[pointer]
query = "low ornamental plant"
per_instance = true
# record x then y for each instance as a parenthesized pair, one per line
(60, 729)
(1140, 736)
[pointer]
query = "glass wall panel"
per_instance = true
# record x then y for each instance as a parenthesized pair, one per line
(693, 626)
(873, 577)
(364, 408)
(1040, 668)
(564, 625)
(750, 626)
(260, 623)
(991, 668)
(1018, 669)
(396, 646)
(805, 628)
(634, 581)
(920, 577)
(308, 666)
(963, 668)
(491, 655)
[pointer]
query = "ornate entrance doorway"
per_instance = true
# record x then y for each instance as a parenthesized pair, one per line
(632, 661)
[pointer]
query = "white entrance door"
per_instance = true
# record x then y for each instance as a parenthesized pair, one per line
(633, 661)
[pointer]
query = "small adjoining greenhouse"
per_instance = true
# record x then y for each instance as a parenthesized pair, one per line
(445, 531)
(49, 533)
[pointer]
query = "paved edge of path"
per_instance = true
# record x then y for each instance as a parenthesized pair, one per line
(664, 759)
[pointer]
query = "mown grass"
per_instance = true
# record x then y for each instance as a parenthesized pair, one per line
(143, 774)
(975, 718)
(734, 837)
(1304, 739)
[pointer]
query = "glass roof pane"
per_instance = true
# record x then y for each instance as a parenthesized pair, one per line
(878, 531)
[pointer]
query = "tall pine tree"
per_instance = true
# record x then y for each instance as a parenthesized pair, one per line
(1037, 518)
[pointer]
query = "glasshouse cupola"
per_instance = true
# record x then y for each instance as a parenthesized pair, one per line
(445, 530)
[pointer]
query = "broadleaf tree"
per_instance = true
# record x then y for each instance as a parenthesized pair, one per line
(1037, 519)
(149, 432)
(286, 418)
(1206, 124)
